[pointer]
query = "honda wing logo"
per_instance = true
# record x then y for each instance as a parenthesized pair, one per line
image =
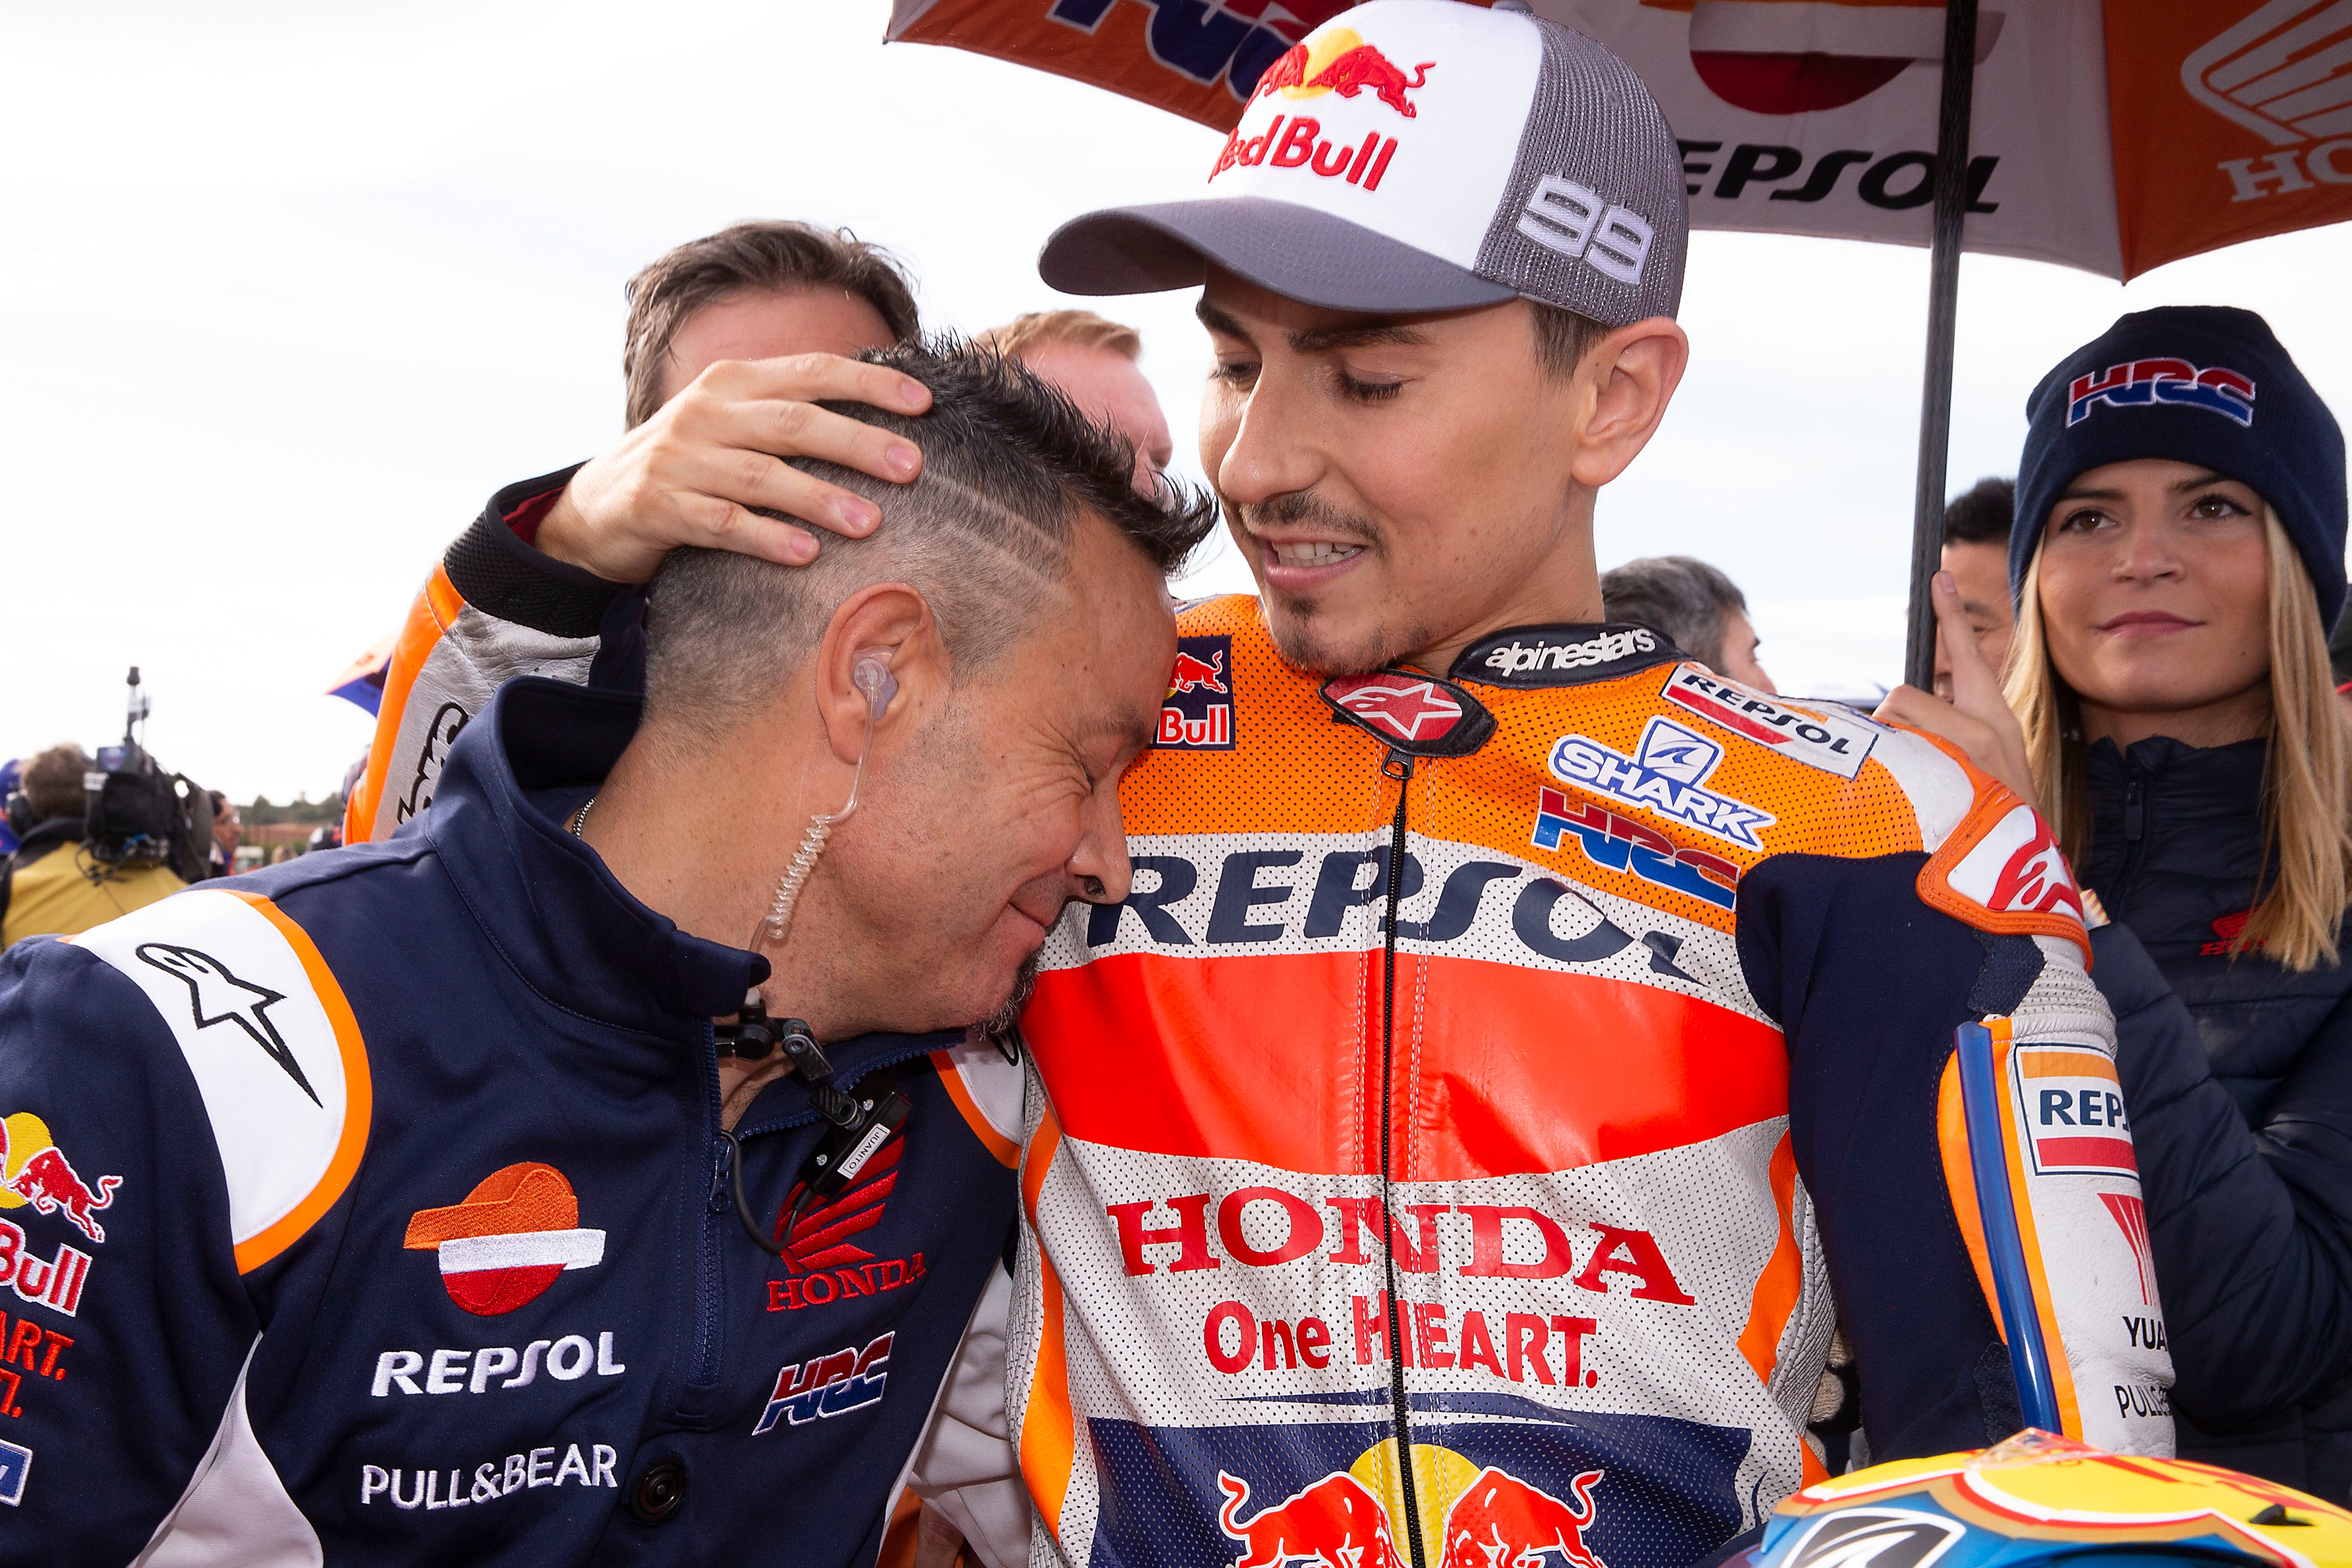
(1877, 1538)
(2285, 72)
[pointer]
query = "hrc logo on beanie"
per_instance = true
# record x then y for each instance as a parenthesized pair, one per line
(2193, 384)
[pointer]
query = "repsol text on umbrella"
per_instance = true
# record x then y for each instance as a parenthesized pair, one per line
(1895, 181)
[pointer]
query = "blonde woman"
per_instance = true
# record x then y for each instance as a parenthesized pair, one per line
(2179, 561)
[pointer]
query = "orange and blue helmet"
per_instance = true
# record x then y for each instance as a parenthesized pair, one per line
(2038, 1499)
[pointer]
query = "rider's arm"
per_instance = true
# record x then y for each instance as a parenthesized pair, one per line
(127, 1327)
(495, 608)
(1871, 963)
(2252, 1230)
(528, 588)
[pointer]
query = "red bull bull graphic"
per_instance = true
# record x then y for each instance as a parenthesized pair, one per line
(1191, 675)
(1198, 715)
(1495, 1485)
(1340, 61)
(1501, 1522)
(1335, 1522)
(33, 1170)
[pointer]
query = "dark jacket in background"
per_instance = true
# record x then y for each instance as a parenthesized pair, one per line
(2238, 1076)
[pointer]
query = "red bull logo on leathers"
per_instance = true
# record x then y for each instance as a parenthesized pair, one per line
(1501, 1522)
(1496, 1520)
(1335, 1522)
(1198, 715)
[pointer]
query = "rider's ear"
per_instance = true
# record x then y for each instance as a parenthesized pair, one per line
(1632, 376)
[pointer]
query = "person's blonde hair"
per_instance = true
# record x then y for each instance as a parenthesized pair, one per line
(1062, 329)
(2307, 771)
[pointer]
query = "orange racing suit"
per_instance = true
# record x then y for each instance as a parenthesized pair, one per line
(1518, 1065)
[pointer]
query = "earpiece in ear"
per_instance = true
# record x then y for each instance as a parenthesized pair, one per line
(871, 673)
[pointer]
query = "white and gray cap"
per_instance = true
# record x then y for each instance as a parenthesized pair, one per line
(1415, 155)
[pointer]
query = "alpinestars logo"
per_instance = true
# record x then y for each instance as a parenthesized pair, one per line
(1558, 657)
(1667, 776)
(825, 1386)
(1411, 712)
(216, 997)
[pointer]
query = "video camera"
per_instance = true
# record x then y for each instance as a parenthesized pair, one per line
(134, 814)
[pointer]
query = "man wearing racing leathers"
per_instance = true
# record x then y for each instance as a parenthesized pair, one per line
(402, 1204)
(1521, 1044)
(1518, 1036)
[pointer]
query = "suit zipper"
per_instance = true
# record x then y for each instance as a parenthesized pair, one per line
(2135, 825)
(1398, 766)
(718, 1207)
(719, 1219)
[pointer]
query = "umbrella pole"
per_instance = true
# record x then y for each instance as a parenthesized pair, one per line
(1943, 309)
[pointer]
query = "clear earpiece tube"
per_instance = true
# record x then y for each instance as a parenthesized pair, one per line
(873, 677)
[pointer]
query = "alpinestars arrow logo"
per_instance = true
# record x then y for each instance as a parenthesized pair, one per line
(216, 997)
(1410, 712)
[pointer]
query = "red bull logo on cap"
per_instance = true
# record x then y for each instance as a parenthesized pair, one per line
(1338, 61)
(1198, 714)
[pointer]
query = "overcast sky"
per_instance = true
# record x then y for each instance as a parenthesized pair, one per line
(288, 290)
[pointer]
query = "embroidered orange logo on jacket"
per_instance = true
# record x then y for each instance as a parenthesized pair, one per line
(505, 1244)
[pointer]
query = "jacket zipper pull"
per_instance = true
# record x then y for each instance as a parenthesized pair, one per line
(722, 1157)
(2131, 812)
(1398, 765)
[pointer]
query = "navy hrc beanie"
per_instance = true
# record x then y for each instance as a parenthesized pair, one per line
(2195, 384)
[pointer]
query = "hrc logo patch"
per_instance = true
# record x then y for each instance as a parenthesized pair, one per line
(1618, 843)
(829, 1385)
(2141, 384)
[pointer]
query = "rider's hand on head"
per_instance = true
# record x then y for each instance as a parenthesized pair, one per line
(692, 474)
(1976, 720)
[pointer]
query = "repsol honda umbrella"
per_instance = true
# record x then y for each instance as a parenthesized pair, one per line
(2113, 137)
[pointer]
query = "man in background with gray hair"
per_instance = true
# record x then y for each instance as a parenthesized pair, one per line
(1700, 610)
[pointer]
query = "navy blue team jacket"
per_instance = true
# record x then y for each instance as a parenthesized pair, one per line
(2239, 1074)
(372, 1208)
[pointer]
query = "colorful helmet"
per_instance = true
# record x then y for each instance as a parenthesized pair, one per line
(2037, 1499)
